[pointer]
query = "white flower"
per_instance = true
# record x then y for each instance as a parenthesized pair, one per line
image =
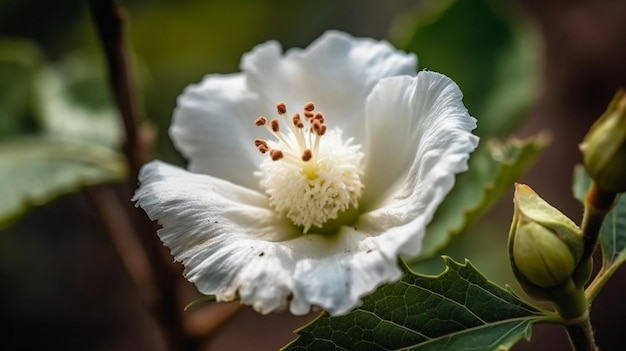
(321, 217)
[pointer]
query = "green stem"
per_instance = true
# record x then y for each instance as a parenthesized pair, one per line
(572, 305)
(597, 204)
(606, 272)
(580, 333)
(570, 301)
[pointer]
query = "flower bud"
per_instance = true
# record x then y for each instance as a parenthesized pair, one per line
(545, 246)
(604, 147)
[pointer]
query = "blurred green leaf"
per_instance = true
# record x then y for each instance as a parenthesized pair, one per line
(493, 168)
(489, 53)
(79, 132)
(456, 310)
(613, 231)
(75, 103)
(19, 61)
(38, 169)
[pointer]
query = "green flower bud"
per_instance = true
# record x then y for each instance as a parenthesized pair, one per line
(541, 256)
(544, 245)
(604, 147)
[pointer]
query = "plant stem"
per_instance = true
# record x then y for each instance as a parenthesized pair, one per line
(573, 306)
(120, 230)
(580, 333)
(597, 204)
(606, 272)
(109, 23)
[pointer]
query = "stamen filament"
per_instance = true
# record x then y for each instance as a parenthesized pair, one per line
(279, 134)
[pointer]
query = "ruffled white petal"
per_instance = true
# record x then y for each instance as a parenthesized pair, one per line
(233, 246)
(336, 71)
(419, 137)
(213, 127)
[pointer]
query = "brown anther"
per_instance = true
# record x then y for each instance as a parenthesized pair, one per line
(308, 114)
(261, 145)
(315, 126)
(309, 106)
(307, 155)
(281, 107)
(276, 154)
(275, 125)
(318, 127)
(297, 121)
(258, 142)
(319, 116)
(263, 148)
(260, 121)
(322, 130)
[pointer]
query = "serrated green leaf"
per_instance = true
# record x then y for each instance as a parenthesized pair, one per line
(490, 54)
(37, 170)
(457, 310)
(493, 168)
(613, 231)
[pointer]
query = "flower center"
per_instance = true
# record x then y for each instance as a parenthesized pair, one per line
(311, 175)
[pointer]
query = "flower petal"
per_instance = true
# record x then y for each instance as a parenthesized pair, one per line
(233, 246)
(213, 127)
(336, 71)
(418, 138)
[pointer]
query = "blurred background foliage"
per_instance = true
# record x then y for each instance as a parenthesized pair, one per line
(60, 133)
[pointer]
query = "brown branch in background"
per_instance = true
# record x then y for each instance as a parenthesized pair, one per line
(109, 23)
(117, 224)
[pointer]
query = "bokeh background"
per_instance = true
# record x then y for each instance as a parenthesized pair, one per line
(62, 285)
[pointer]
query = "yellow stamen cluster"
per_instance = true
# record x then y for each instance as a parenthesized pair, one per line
(314, 182)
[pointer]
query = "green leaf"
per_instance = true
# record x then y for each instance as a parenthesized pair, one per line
(76, 144)
(581, 184)
(37, 170)
(75, 103)
(490, 54)
(613, 231)
(457, 310)
(19, 61)
(493, 168)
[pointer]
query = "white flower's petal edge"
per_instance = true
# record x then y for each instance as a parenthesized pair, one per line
(337, 283)
(213, 127)
(419, 137)
(227, 239)
(337, 72)
(206, 222)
